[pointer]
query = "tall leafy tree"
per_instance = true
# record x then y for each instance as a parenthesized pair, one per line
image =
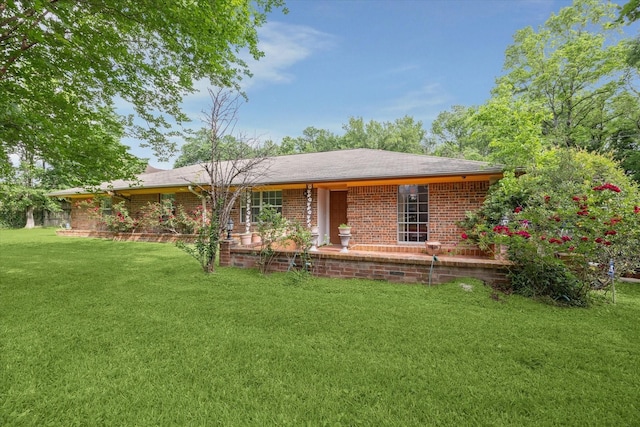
(404, 135)
(452, 135)
(574, 66)
(197, 148)
(313, 140)
(512, 127)
(62, 65)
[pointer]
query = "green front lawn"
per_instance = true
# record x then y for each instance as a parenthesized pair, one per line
(95, 332)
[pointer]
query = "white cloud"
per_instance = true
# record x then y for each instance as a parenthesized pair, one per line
(284, 45)
(424, 101)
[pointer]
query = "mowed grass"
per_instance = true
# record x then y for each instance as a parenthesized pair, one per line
(97, 332)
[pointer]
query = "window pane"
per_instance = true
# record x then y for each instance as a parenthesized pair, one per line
(261, 199)
(413, 213)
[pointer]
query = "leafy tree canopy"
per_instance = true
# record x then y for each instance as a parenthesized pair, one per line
(62, 65)
(574, 66)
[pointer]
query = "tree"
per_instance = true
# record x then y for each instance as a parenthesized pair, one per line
(630, 11)
(574, 67)
(231, 171)
(197, 149)
(403, 135)
(313, 140)
(452, 135)
(25, 190)
(63, 63)
(512, 127)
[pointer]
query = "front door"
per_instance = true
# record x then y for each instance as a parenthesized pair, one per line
(337, 214)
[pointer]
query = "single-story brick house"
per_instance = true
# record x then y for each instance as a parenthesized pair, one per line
(388, 198)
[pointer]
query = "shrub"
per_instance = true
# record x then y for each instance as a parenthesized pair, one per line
(581, 207)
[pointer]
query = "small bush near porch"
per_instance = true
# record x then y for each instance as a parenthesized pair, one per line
(96, 332)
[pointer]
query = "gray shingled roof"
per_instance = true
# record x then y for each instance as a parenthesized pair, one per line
(309, 168)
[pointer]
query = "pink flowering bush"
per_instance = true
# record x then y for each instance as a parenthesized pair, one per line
(166, 218)
(154, 217)
(118, 219)
(564, 225)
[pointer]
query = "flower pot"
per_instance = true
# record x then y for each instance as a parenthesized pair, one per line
(433, 247)
(245, 239)
(256, 238)
(344, 230)
(314, 238)
(344, 241)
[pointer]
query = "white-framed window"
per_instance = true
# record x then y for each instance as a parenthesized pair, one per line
(106, 205)
(260, 199)
(413, 213)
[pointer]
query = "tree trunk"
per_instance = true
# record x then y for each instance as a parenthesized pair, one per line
(30, 222)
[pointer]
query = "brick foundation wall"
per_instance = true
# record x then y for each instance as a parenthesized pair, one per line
(377, 266)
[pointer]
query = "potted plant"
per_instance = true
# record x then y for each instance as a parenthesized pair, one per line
(344, 229)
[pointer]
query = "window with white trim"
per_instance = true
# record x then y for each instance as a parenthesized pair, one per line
(259, 200)
(413, 213)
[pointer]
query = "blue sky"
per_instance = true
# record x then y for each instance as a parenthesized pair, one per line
(329, 60)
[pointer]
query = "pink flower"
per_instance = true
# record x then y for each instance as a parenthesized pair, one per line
(518, 209)
(501, 229)
(584, 238)
(575, 198)
(524, 234)
(636, 209)
(572, 248)
(464, 236)
(599, 240)
(607, 186)
(566, 238)
(607, 243)
(547, 198)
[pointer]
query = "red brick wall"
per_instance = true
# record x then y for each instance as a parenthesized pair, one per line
(372, 212)
(189, 201)
(448, 203)
(138, 201)
(80, 218)
(294, 205)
